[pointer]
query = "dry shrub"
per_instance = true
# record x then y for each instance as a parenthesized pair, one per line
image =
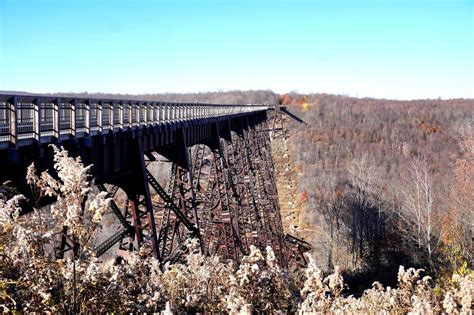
(35, 280)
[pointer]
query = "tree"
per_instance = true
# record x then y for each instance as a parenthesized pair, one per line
(420, 210)
(459, 219)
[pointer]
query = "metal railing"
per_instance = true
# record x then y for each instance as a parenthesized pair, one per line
(39, 117)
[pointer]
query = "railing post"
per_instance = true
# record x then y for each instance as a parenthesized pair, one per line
(147, 113)
(150, 113)
(163, 110)
(13, 121)
(112, 115)
(136, 110)
(165, 113)
(120, 105)
(139, 112)
(110, 109)
(73, 117)
(162, 113)
(129, 115)
(99, 116)
(86, 117)
(37, 126)
(154, 112)
(126, 114)
(56, 117)
(159, 113)
(173, 112)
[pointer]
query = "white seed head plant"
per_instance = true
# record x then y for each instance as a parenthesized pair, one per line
(36, 279)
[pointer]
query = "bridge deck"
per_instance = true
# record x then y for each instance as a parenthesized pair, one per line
(25, 120)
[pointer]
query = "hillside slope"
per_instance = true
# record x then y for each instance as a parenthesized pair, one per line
(346, 176)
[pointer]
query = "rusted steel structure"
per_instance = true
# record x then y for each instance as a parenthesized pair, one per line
(221, 187)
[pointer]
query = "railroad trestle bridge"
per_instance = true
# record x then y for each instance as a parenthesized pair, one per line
(221, 185)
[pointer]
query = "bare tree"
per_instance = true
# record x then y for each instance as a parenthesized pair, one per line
(326, 199)
(419, 210)
(461, 212)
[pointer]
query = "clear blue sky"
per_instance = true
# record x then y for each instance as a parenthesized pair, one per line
(392, 49)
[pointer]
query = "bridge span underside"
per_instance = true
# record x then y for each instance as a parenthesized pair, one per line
(221, 187)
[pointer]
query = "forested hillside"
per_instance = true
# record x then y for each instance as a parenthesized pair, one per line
(373, 184)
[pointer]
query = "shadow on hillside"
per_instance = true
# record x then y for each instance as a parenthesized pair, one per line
(285, 110)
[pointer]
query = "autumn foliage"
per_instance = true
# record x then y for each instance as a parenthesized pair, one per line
(384, 182)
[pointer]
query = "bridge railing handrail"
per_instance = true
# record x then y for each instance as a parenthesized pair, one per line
(36, 117)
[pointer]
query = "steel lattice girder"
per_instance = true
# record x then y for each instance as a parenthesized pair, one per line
(226, 197)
